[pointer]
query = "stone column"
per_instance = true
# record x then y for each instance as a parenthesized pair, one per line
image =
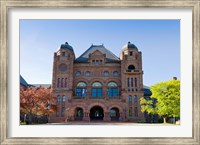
(89, 90)
(121, 116)
(106, 116)
(86, 116)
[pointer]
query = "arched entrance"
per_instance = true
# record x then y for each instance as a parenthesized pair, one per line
(78, 114)
(114, 114)
(96, 113)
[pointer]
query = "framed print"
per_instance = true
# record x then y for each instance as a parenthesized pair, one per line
(166, 44)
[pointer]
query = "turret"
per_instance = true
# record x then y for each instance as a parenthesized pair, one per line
(132, 74)
(63, 69)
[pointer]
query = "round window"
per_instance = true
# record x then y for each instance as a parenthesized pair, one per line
(63, 67)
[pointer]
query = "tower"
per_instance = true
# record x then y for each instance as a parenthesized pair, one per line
(62, 79)
(132, 81)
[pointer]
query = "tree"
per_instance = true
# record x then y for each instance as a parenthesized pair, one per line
(167, 96)
(36, 101)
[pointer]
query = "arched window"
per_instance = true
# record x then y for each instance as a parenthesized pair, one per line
(64, 99)
(131, 82)
(135, 82)
(130, 99)
(115, 74)
(65, 82)
(63, 67)
(87, 73)
(58, 105)
(96, 89)
(112, 89)
(130, 105)
(62, 82)
(58, 82)
(58, 99)
(135, 99)
(81, 89)
(128, 83)
(78, 73)
(114, 113)
(106, 73)
(131, 68)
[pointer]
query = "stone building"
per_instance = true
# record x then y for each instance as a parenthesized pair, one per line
(98, 85)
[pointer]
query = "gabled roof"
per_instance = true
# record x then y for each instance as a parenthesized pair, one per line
(110, 57)
(23, 82)
(42, 85)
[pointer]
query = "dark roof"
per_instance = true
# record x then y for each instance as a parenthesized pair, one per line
(43, 85)
(147, 91)
(23, 82)
(129, 45)
(110, 57)
(66, 46)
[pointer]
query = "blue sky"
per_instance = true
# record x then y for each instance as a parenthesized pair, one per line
(158, 40)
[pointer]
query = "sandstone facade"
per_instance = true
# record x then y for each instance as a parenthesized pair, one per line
(98, 85)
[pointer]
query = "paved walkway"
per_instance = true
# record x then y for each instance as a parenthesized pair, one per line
(106, 123)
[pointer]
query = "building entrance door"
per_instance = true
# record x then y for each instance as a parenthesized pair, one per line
(96, 113)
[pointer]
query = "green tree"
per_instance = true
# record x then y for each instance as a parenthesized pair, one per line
(167, 96)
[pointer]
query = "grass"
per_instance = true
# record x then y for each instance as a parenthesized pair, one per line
(24, 123)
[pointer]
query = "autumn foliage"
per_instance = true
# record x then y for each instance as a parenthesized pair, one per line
(37, 101)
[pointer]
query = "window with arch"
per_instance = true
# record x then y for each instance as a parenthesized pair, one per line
(115, 74)
(58, 82)
(135, 82)
(114, 112)
(131, 68)
(131, 82)
(87, 73)
(81, 89)
(63, 99)
(96, 89)
(79, 113)
(58, 99)
(62, 82)
(78, 73)
(58, 105)
(65, 82)
(112, 89)
(130, 99)
(135, 99)
(128, 82)
(63, 67)
(106, 73)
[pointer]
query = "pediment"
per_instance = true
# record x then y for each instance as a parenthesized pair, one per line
(97, 52)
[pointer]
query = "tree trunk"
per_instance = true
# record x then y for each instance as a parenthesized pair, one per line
(164, 120)
(30, 118)
(174, 120)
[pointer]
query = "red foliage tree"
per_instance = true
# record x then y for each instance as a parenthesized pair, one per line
(37, 101)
